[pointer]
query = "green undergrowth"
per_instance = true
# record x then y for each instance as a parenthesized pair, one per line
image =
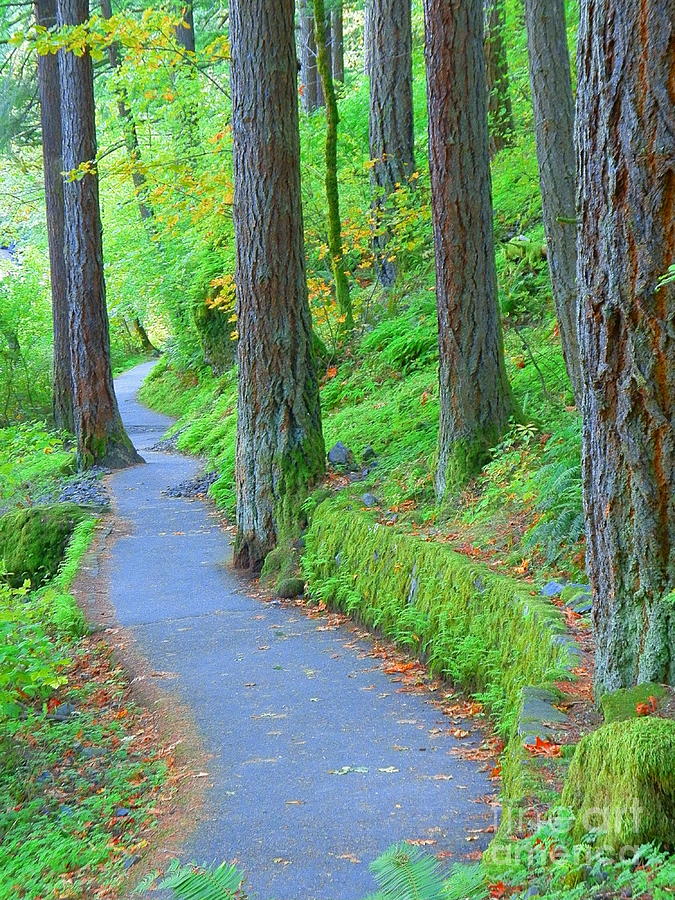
(484, 631)
(524, 505)
(32, 459)
(76, 792)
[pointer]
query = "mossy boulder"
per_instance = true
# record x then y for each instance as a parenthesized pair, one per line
(622, 704)
(33, 542)
(288, 588)
(621, 783)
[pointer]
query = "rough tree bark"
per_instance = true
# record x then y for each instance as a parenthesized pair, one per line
(474, 393)
(50, 115)
(342, 297)
(185, 32)
(391, 114)
(280, 449)
(625, 136)
(553, 103)
(312, 94)
(101, 437)
(500, 112)
(337, 43)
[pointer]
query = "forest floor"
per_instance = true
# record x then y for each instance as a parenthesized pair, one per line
(323, 746)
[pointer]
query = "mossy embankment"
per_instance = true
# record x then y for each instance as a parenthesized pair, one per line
(33, 542)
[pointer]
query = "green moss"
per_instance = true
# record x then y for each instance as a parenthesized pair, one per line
(288, 588)
(33, 541)
(465, 458)
(621, 704)
(489, 633)
(621, 783)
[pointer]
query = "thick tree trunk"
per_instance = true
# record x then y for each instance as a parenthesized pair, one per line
(391, 114)
(337, 43)
(500, 113)
(551, 86)
(342, 297)
(625, 136)
(101, 437)
(474, 393)
(312, 94)
(280, 449)
(50, 115)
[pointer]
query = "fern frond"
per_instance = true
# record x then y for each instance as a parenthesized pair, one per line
(404, 873)
(466, 882)
(194, 883)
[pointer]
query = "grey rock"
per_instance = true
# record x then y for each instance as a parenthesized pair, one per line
(535, 710)
(553, 588)
(44, 777)
(63, 712)
(130, 860)
(122, 811)
(193, 487)
(368, 454)
(94, 752)
(340, 455)
(370, 500)
(582, 604)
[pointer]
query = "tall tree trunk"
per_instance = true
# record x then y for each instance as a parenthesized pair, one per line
(280, 449)
(554, 129)
(101, 437)
(50, 115)
(500, 112)
(337, 41)
(186, 82)
(185, 32)
(312, 95)
(129, 126)
(344, 302)
(625, 136)
(391, 114)
(139, 180)
(474, 393)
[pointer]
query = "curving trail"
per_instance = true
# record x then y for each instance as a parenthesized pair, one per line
(280, 703)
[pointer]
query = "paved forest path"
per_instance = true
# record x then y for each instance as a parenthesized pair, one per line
(281, 704)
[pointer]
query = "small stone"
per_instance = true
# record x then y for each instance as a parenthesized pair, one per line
(66, 810)
(44, 776)
(583, 604)
(290, 587)
(340, 455)
(63, 712)
(93, 752)
(368, 454)
(370, 500)
(553, 589)
(122, 811)
(130, 861)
